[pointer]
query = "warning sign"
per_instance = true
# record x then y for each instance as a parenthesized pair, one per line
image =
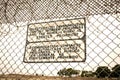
(56, 41)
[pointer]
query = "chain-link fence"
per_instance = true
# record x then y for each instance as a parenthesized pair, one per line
(88, 29)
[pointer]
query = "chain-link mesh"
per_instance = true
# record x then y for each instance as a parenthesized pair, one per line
(102, 37)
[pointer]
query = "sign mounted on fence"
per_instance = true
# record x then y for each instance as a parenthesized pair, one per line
(56, 41)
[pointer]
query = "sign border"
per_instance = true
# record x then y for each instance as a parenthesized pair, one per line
(27, 42)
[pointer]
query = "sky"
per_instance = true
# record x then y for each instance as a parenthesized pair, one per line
(102, 47)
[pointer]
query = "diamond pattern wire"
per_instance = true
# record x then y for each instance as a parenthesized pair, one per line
(102, 33)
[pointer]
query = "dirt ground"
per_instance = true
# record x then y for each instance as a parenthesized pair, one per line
(30, 77)
(54, 78)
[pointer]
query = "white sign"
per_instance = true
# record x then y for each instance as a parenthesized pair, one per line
(56, 41)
